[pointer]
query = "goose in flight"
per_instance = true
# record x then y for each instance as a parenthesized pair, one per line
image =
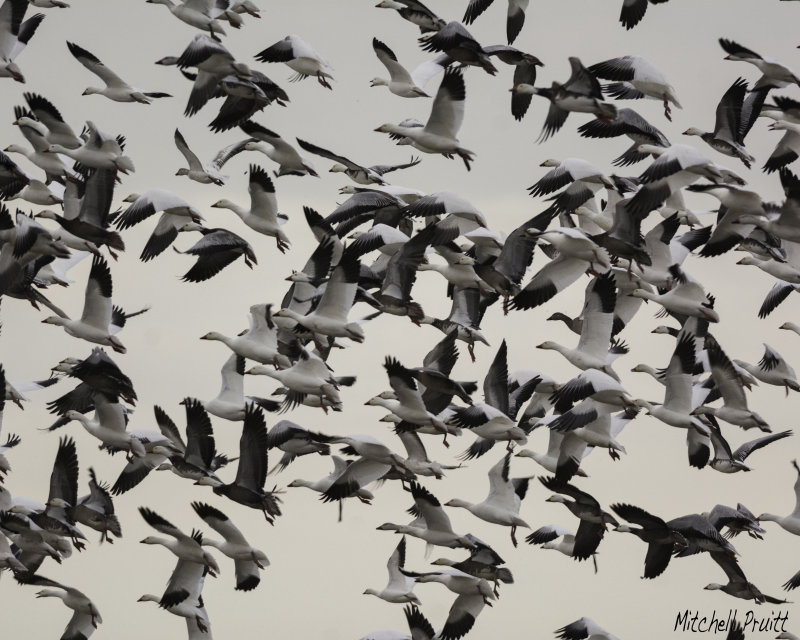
(247, 559)
(96, 323)
(400, 587)
(263, 215)
(300, 57)
(209, 173)
(251, 474)
(415, 12)
(85, 617)
(438, 135)
(502, 504)
(357, 173)
(116, 88)
(15, 35)
(401, 82)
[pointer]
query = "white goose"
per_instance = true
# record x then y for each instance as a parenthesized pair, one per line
(263, 215)
(259, 342)
(247, 559)
(116, 88)
(440, 131)
(400, 586)
(300, 57)
(210, 173)
(95, 322)
(401, 82)
(85, 617)
(790, 523)
(502, 504)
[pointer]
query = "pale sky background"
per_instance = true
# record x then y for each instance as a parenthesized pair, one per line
(319, 567)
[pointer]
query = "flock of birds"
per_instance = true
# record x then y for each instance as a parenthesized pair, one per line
(623, 240)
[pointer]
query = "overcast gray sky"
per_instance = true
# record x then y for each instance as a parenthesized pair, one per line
(320, 567)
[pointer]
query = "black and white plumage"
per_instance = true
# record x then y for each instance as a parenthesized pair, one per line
(415, 12)
(215, 250)
(439, 134)
(581, 93)
(247, 559)
(515, 18)
(251, 473)
(300, 57)
(454, 40)
(633, 11)
(116, 88)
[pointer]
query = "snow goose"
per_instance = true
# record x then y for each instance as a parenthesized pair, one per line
(96, 510)
(415, 12)
(786, 225)
(176, 213)
(85, 617)
(593, 423)
(627, 123)
(248, 487)
(686, 297)
(557, 538)
(674, 168)
(357, 173)
(116, 88)
(309, 375)
(473, 594)
(45, 112)
(300, 57)
(95, 324)
(593, 519)
(791, 326)
(193, 15)
(563, 457)
(727, 461)
(483, 562)
(729, 383)
(586, 627)
(459, 270)
(661, 540)
(455, 41)
(775, 74)
(259, 342)
(191, 607)
(196, 458)
(636, 78)
(492, 420)
(790, 523)
(295, 441)
(278, 150)
(231, 403)
(502, 504)
(515, 18)
(580, 178)
(729, 128)
(263, 215)
(438, 135)
(85, 223)
(101, 151)
(432, 524)
(592, 351)
(677, 408)
(15, 35)
(408, 404)
(788, 148)
(417, 461)
(329, 318)
(400, 586)
(772, 369)
(401, 82)
(205, 174)
(580, 93)
(63, 495)
(215, 250)
(247, 559)
(738, 585)
(186, 548)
